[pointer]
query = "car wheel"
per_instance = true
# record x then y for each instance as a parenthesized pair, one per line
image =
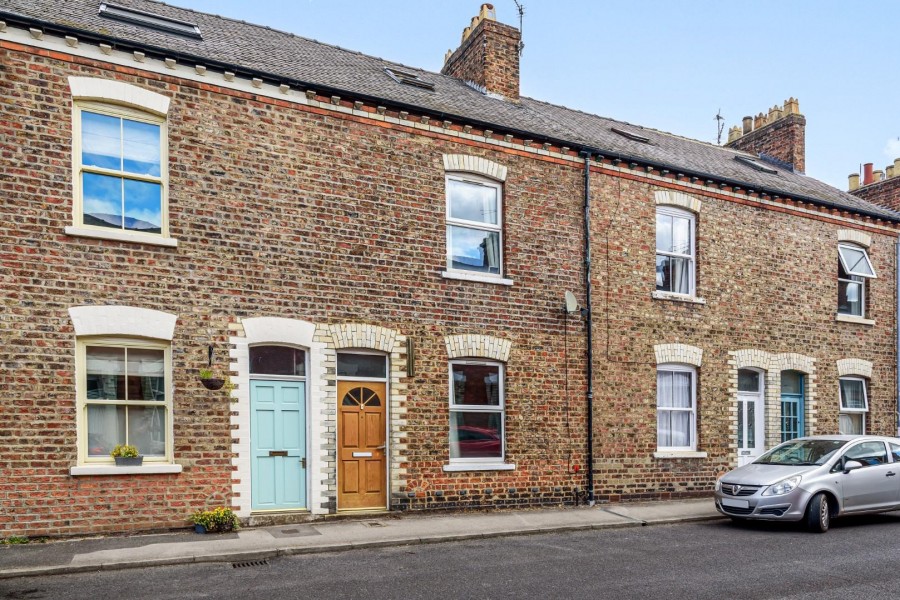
(818, 514)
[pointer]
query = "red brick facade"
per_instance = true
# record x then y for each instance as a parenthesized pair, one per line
(302, 211)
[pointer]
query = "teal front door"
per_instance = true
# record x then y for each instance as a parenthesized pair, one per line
(278, 445)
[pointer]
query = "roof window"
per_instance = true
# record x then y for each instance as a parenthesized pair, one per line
(149, 20)
(631, 135)
(408, 78)
(756, 165)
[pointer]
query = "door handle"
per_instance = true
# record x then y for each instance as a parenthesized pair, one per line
(303, 463)
(381, 447)
(890, 474)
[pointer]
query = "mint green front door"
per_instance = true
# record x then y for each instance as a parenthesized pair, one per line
(278, 445)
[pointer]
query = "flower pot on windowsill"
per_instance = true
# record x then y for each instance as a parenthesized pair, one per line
(129, 461)
(213, 383)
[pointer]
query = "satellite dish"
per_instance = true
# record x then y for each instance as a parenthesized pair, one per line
(571, 303)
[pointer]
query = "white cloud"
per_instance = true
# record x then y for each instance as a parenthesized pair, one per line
(892, 149)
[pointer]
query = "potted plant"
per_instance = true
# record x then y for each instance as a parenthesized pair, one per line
(126, 456)
(219, 519)
(210, 380)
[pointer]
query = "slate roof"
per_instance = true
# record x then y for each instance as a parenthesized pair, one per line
(286, 57)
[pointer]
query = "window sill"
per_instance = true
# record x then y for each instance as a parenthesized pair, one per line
(104, 469)
(677, 297)
(853, 319)
(679, 454)
(121, 236)
(456, 467)
(461, 275)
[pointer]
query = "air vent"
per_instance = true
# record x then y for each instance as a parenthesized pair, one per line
(149, 20)
(631, 135)
(407, 78)
(754, 164)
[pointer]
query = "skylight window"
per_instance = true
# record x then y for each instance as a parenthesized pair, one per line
(407, 78)
(631, 135)
(149, 20)
(756, 165)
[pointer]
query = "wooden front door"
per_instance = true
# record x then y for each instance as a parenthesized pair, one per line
(277, 445)
(362, 463)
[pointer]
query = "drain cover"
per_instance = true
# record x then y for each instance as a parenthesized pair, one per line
(250, 563)
(374, 524)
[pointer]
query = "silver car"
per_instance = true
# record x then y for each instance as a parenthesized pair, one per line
(815, 479)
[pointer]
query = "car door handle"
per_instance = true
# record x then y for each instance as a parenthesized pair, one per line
(890, 474)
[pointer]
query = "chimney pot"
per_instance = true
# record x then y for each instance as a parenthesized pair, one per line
(734, 133)
(748, 124)
(897, 167)
(889, 172)
(854, 181)
(867, 173)
(877, 175)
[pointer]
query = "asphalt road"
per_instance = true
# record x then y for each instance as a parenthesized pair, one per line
(718, 560)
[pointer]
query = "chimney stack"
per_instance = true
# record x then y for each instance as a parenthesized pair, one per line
(488, 56)
(780, 133)
(879, 187)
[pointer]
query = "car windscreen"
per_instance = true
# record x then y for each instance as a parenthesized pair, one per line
(801, 452)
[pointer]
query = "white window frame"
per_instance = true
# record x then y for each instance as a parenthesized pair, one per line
(691, 256)
(477, 225)
(853, 411)
(500, 408)
(856, 278)
(78, 170)
(83, 402)
(679, 368)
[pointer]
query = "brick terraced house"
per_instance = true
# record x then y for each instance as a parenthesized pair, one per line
(379, 258)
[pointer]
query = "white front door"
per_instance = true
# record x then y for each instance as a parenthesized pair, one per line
(750, 416)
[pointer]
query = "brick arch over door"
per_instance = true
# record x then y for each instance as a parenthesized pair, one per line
(773, 365)
(363, 336)
(290, 332)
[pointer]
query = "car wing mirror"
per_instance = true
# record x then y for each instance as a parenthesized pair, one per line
(851, 465)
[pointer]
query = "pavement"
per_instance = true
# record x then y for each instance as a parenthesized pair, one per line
(365, 531)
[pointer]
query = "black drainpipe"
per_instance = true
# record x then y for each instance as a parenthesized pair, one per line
(590, 327)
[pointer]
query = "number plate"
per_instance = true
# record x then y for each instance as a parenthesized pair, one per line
(736, 503)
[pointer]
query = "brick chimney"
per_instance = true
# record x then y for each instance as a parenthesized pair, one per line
(780, 134)
(878, 187)
(488, 56)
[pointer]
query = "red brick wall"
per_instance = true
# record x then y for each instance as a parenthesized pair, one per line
(278, 212)
(281, 210)
(886, 193)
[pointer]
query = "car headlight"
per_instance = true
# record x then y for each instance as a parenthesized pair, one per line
(783, 487)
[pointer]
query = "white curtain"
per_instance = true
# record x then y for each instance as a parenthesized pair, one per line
(681, 275)
(673, 394)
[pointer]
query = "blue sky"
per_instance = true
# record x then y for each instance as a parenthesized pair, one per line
(657, 63)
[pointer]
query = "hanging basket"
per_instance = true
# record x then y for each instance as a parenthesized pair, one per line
(213, 383)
